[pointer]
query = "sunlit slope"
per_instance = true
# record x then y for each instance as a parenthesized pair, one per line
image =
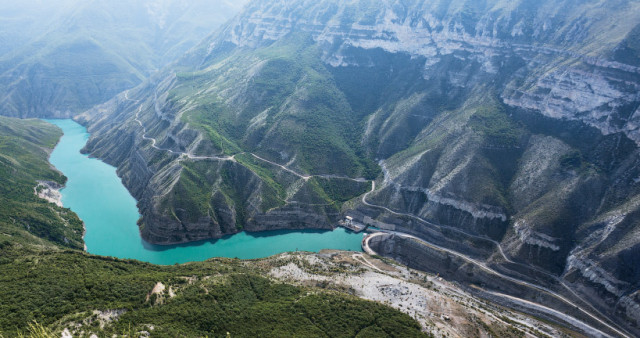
(46, 279)
(24, 149)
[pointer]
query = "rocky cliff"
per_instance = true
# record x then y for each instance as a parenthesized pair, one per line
(503, 130)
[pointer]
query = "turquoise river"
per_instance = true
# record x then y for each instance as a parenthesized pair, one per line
(109, 212)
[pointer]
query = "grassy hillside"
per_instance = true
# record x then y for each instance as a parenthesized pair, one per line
(56, 289)
(290, 108)
(24, 151)
(282, 104)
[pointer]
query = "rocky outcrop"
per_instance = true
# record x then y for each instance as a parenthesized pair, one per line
(491, 284)
(560, 79)
(49, 191)
(598, 96)
(185, 196)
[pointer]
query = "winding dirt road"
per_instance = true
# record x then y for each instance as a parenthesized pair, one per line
(489, 270)
(616, 329)
(179, 153)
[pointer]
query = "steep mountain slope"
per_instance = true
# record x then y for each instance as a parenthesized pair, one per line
(25, 173)
(22, 21)
(63, 58)
(505, 131)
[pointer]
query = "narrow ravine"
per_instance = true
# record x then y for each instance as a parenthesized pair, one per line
(96, 194)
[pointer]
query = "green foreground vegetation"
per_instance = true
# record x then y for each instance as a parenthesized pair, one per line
(47, 285)
(60, 288)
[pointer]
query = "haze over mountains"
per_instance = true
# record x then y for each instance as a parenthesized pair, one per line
(501, 135)
(59, 58)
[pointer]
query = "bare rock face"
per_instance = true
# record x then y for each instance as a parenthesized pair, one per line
(596, 95)
(506, 131)
(49, 191)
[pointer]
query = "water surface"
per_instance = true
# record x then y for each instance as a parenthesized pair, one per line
(94, 191)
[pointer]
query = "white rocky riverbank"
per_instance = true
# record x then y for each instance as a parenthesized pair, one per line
(49, 191)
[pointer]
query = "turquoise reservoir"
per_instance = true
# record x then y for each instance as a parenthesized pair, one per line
(109, 212)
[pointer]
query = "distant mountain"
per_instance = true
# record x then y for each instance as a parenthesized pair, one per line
(60, 58)
(503, 131)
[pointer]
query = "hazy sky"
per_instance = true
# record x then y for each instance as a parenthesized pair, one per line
(26, 21)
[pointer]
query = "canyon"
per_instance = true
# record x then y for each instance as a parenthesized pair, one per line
(491, 143)
(509, 130)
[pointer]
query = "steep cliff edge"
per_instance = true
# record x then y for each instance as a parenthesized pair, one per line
(512, 125)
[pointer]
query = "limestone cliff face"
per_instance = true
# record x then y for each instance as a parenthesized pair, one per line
(567, 70)
(497, 122)
(570, 116)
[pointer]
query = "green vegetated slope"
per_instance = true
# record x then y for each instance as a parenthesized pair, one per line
(511, 120)
(76, 54)
(284, 103)
(273, 105)
(280, 101)
(64, 289)
(24, 217)
(46, 279)
(295, 99)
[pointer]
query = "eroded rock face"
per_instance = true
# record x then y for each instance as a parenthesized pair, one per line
(564, 81)
(49, 191)
(510, 124)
